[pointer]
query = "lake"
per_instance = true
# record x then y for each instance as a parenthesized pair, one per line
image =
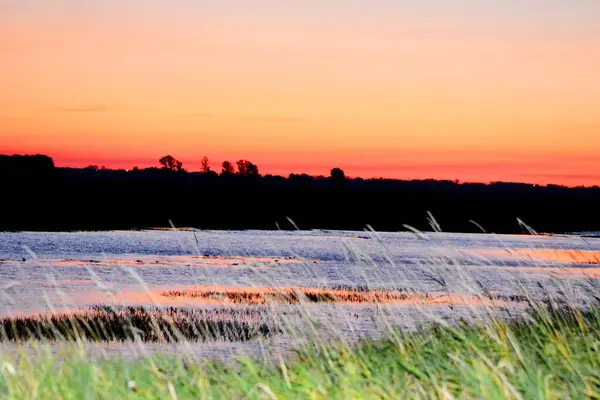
(42, 272)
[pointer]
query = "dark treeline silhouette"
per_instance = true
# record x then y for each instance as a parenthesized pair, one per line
(17, 167)
(38, 196)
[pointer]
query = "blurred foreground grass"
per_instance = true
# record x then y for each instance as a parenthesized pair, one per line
(554, 355)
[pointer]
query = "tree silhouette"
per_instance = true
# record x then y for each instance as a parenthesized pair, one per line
(92, 168)
(246, 168)
(337, 175)
(227, 168)
(36, 165)
(171, 163)
(205, 165)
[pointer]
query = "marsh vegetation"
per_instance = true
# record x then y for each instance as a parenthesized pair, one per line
(146, 324)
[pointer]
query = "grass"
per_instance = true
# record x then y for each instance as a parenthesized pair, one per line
(555, 355)
(108, 323)
(334, 294)
(292, 295)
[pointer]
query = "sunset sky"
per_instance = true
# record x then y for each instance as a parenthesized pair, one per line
(476, 90)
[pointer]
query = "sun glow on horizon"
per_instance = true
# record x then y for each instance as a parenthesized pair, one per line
(465, 91)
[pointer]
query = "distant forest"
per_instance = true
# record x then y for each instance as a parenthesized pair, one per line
(36, 195)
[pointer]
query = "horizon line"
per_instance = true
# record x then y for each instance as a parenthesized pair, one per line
(350, 177)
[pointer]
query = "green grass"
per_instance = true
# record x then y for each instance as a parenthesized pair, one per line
(556, 355)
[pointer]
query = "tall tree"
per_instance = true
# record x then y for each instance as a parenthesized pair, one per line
(205, 165)
(337, 175)
(171, 163)
(246, 168)
(227, 168)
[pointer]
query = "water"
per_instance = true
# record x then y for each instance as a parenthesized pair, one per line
(65, 271)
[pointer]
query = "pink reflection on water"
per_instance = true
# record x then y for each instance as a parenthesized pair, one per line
(55, 311)
(255, 295)
(556, 255)
(158, 298)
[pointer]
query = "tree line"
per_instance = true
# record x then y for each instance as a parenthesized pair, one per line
(38, 196)
(241, 167)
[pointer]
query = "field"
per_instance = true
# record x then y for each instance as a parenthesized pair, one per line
(166, 314)
(554, 356)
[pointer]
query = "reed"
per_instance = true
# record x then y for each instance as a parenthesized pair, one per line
(121, 323)
(293, 295)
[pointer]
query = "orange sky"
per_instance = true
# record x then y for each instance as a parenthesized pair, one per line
(475, 91)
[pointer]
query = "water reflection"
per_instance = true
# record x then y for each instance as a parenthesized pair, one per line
(70, 271)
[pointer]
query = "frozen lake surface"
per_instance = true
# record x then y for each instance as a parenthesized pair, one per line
(61, 271)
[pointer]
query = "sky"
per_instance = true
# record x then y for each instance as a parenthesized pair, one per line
(475, 90)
